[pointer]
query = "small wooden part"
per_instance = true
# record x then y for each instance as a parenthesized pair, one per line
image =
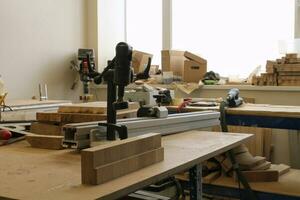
(119, 155)
(281, 168)
(260, 175)
(247, 161)
(45, 141)
(45, 129)
(211, 177)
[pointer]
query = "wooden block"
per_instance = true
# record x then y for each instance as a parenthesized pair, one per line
(45, 129)
(122, 167)
(264, 166)
(45, 141)
(92, 107)
(211, 177)
(281, 168)
(115, 151)
(260, 175)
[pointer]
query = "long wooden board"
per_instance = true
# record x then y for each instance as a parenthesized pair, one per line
(79, 117)
(98, 107)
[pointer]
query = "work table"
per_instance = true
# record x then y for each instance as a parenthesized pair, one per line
(29, 173)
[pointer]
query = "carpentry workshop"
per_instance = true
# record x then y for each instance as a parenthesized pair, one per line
(150, 100)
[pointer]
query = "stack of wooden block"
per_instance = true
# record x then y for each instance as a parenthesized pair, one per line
(106, 162)
(47, 131)
(282, 72)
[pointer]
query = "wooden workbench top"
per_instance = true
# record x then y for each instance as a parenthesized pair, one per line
(29, 173)
(288, 184)
(266, 110)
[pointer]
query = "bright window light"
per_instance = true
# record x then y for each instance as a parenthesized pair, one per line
(144, 26)
(234, 36)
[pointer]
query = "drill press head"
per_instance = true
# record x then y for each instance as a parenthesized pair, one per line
(123, 73)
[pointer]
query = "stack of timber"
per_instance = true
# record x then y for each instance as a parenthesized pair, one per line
(106, 162)
(47, 131)
(282, 72)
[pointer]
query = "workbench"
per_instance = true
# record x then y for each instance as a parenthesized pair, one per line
(260, 115)
(29, 173)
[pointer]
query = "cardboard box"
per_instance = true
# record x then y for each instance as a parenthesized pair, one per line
(194, 57)
(193, 71)
(140, 60)
(173, 60)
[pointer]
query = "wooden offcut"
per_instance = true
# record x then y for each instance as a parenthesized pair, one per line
(45, 141)
(45, 129)
(106, 162)
(261, 175)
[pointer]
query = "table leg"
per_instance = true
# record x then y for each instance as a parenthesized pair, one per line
(196, 182)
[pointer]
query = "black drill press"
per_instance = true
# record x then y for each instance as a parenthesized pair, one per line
(118, 75)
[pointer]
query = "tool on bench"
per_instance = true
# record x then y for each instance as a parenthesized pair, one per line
(159, 111)
(118, 75)
(233, 100)
(86, 70)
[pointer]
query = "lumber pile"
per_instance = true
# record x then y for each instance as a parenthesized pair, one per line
(106, 162)
(282, 72)
(47, 131)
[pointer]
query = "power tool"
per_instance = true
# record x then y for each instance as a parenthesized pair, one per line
(87, 70)
(118, 75)
(233, 99)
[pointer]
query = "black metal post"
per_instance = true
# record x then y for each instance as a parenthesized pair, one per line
(195, 175)
(111, 111)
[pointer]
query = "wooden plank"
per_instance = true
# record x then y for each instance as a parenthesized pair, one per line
(211, 177)
(119, 168)
(79, 117)
(98, 107)
(261, 175)
(45, 129)
(95, 157)
(45, 141)
(265, 110)
(281, 168)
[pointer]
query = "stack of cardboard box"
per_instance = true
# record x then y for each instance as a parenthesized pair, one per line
(190, 67)
(282, 72)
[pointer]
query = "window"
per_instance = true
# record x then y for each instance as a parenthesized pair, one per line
(234, 36)
(144, 26)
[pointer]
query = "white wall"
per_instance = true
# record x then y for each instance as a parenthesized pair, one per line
(111, 28)
(38, 38)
